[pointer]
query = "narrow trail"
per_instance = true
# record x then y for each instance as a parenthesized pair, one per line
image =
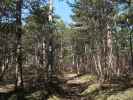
(70, 87)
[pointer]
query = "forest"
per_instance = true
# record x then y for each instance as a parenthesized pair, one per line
(43, 58)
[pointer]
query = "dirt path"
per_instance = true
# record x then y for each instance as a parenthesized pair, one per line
(72, 87)
(7, 88)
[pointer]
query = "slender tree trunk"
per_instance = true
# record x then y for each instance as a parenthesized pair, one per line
(4, 68)
(117, 68)
(61, 67)
(86, 58)
(50, 46)
(43, 53)
(99, 66)
(50, 60)
(19, 69)
(109, 55)
(19, 81)
(77, 64)
(131, 50)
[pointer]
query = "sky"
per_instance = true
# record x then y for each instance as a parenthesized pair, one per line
(63, 10)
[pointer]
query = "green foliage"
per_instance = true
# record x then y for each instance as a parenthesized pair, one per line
(122, 16)
(91, 18)
(8, 2)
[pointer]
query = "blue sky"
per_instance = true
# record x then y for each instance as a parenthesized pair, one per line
(63, 10)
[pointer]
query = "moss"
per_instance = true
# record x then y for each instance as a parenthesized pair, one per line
(36, 95)
(87, 78)
(101, 97)
(13, 97)
(91, 89)
(125, 95)
(117, 97)
(54, 98)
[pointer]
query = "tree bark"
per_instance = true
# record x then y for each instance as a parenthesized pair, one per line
(131, 50)
(19, 81)
(109, 58)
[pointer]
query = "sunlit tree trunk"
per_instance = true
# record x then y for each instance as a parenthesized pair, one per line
(86, 58)
(61, 67)
(4, 68)
(109, 55)
(117, 66)
(77, 64)
(43, 53)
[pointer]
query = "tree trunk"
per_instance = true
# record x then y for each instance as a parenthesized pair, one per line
(61, 67)
(77, 64)
(131, 50)
(50, 46)
(19, 81)
(109, 58)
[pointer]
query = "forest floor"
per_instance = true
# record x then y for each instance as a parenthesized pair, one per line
(86, 87)
(80, 87)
